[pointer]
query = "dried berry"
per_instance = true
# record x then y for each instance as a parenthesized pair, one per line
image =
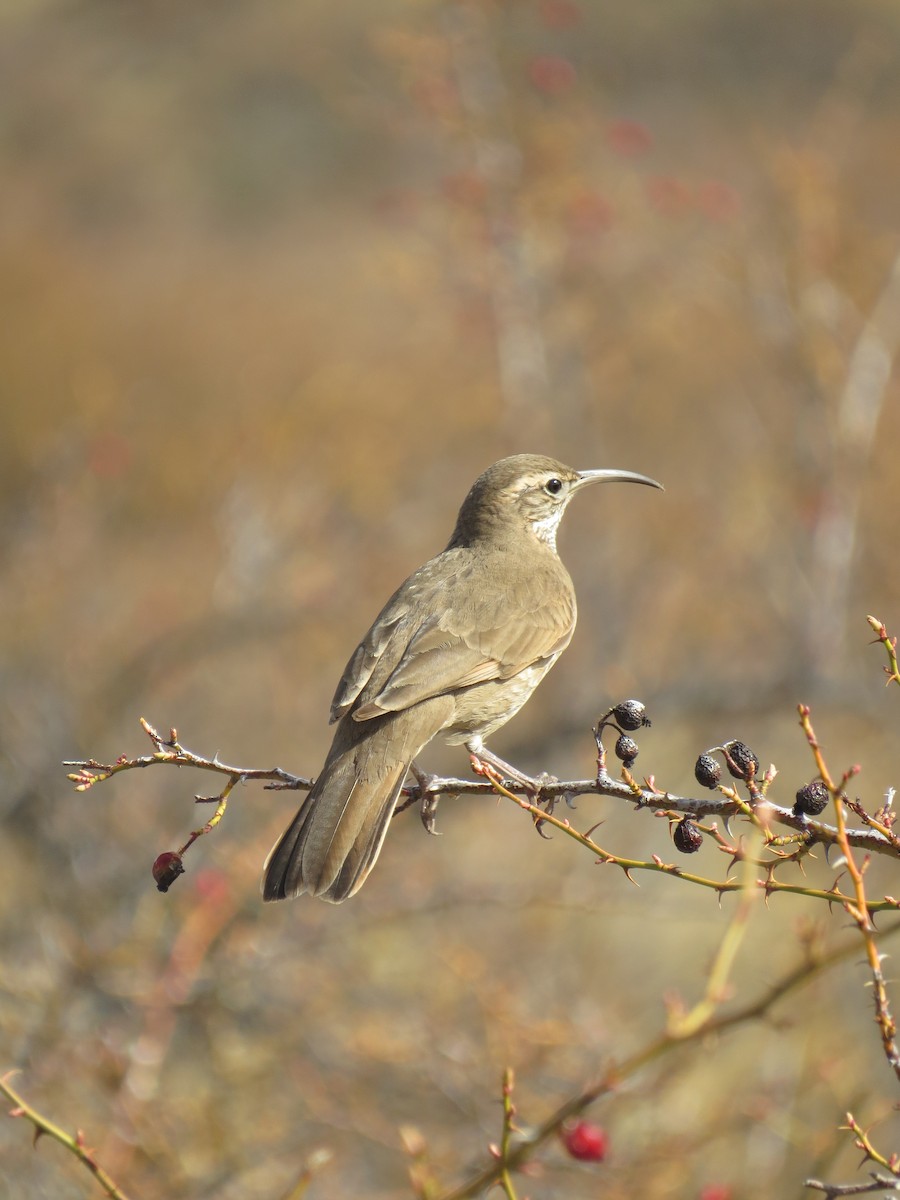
(687, 837)
(811, 799)
(585, 1141)
(630, 714)
(167, 868)
(707, 771)
(626, 749)
(740, 760)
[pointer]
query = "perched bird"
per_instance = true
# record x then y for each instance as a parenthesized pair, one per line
(457, 650)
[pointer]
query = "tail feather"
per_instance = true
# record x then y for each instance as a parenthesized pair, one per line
(333, 841)
(336, 836)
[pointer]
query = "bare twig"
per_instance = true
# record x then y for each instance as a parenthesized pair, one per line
(863, 1142)
(170, 751)
(857, 907)
(74, 1143)
(725, 804)
(617, 1072)
(509, 1129)
(890, 645)
(769, 885)
(877, 1183)
(521, 352)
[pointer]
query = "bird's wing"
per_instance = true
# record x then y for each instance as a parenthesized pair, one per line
(387, 630)
(463, 635)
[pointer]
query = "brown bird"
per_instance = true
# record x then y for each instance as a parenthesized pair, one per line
(458, 649)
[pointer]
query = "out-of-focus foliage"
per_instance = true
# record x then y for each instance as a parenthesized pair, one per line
(276, 282)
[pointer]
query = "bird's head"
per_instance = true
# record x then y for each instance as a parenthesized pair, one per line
(527, 491)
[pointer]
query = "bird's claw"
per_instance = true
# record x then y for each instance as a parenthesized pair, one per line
(548, 803)
(428, 812)
(428, 798)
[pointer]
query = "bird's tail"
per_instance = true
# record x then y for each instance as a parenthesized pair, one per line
(332, 843)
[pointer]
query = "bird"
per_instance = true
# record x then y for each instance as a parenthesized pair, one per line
(457, 650)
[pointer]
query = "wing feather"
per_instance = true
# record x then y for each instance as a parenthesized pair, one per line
(465, 631)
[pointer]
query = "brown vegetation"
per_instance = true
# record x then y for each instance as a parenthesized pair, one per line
(276, 282)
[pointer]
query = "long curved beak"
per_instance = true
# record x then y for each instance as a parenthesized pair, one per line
(612, 475)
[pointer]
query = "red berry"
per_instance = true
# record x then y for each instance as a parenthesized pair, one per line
(718, 201)
(466, 188)
(586, 1142)
(109, 455)
(668, 195)
(630, 139)
(590, 213)
(552, 74)
(166, 869)
(559, 14)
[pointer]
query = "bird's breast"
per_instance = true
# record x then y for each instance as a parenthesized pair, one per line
(484, 707)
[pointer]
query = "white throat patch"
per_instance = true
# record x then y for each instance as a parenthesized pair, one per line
(545, 527)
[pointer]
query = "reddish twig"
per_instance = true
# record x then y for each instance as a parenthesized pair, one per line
(857, 907)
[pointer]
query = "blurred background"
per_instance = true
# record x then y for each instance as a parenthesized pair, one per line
(277, 281)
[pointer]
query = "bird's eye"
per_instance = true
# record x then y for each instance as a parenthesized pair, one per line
(553, 486)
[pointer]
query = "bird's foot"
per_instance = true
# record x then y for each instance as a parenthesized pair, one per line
(498, 771)
(428, 798)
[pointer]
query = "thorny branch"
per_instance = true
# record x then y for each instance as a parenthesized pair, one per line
(878, 1183)
(889, 1181)
(892, 670)
(74, 1143)
(726, 804)
(874, 835)
(857, 906)
(677, 1032)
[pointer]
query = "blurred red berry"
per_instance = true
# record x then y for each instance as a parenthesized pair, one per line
(559, 14)
(586, 1142)
(552, 74)
(109, 455)
(668, 195)
(436, 95)
(717, 200)
(212, 885)
(716, 1191)
(590, 213)
(630, 139)
(465, 187)
(399, 206)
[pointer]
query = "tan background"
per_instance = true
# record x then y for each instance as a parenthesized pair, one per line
(276, 282)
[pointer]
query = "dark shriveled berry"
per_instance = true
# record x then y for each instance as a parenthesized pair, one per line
(687, 837)
(630, 714)
(811, 799)
(626, 749)
(740, 760)
(166, 869)
(707, 771)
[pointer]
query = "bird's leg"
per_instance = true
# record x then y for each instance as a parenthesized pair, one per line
(485, 762)
(481, 757)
